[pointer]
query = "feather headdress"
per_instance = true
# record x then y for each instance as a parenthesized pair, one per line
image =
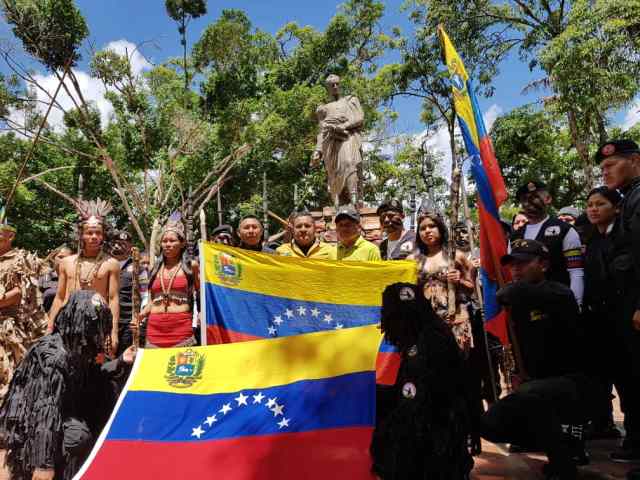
(174, 224)
(93, 212)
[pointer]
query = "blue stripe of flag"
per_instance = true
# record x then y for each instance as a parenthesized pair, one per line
(343, 401)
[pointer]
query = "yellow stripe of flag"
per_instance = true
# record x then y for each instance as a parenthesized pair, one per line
(308, 280)
(459, 78)
(264, 363)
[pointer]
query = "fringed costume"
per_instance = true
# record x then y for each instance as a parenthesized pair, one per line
(23, 323)
(60, 398)
(424, 434)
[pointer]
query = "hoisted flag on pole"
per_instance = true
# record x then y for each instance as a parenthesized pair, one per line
(286, 408)
(489, 183)
(249, 295)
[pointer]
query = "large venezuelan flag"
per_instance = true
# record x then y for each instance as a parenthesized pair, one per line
(489, 182)
(249, 295)
(288, 408)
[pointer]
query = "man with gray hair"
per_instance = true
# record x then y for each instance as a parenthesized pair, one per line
(339, 142)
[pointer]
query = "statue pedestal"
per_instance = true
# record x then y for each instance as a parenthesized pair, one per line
(369, 221)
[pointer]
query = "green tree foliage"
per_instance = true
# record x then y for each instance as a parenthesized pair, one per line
(182, 11)
(50, 30)
(422, 73)
(589, 53)
(533, 145)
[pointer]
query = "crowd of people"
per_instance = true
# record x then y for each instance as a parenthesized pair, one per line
(571, 289)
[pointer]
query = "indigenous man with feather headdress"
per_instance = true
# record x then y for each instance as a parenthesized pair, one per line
(22, 321)
(92, 268)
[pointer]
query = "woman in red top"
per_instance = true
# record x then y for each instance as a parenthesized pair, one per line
(172, 284)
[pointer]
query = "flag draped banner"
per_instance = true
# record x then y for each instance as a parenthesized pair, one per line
(489, 183)
(249, 295)
(286, 408)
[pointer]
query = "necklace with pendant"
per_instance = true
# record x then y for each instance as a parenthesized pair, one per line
(166, 291)
(83, 282)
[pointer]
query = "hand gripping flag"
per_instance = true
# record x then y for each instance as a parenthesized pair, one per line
(249, 295)
(489, 183)
(287, 408)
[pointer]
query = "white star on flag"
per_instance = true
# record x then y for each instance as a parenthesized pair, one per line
(278, 320)
(272, 330)
(289, 313)
(328, 318)
(225, 408)
(272, 402)
(302, 311)
(211, 420)
(339, 326)
(197, 432)
(241, 399)
(258, 398)
(284, 422)
(277, 410)
(315, 312)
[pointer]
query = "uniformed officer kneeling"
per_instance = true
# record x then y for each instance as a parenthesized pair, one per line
(547, 410)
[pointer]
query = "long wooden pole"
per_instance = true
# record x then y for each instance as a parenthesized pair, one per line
(454, 204)
(478, 289)
(36, 139)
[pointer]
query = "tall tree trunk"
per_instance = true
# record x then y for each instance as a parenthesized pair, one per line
(582, 147)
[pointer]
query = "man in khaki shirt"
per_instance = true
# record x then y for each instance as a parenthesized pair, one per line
(351, 246)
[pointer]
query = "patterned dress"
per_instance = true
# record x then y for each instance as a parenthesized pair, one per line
(432, 275)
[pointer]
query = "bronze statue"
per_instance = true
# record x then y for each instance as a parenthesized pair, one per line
(339, 142)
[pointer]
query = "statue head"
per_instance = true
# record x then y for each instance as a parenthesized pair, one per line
(333, 85)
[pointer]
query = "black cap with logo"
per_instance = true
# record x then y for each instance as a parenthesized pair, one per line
(529, 187)
(391, 204)
(525, 250)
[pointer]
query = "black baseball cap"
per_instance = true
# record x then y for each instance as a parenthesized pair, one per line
(525, 250)
(348, 211)
(616, 147)
(390, 204)
(532, 186)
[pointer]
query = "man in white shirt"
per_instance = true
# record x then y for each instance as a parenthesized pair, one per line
(562, 240)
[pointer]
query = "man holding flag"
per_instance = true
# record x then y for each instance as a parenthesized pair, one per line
(510, 419)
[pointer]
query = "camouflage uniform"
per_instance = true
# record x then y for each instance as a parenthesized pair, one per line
(22, 324)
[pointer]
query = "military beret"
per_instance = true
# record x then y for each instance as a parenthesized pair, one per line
(392, 204)
(616, 147)
(525, 250)
(222, 229)
(532, 186)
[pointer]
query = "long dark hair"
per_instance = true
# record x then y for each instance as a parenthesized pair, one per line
(442, 228)
(185, 264)
(405, 313)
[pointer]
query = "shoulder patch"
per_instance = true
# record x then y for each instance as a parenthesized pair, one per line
(553, 231)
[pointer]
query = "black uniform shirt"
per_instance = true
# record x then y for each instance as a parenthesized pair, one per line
(545, 320)
(626, 262)
(599, 287)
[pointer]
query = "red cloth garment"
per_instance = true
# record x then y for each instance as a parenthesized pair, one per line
(169, 329)
(180, 284)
